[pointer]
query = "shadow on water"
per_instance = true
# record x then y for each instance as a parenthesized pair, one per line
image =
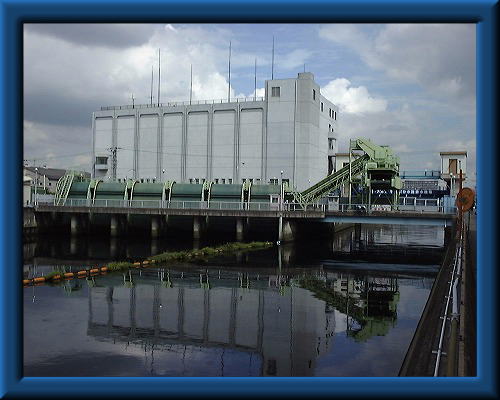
(296, 310)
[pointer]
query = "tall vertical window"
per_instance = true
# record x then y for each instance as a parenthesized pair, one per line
(321, 107)
(275, 91)
(314, 94)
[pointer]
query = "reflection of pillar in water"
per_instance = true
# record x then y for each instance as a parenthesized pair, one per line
(132, 313)
(91, 316)
(260, 319)
(156, 310)
(196, 244)
(154, 247)
(73, 245)
(239, 257)
(206, 313)
(232, 317)
(109, 300)
(180, 304)
(113, 247)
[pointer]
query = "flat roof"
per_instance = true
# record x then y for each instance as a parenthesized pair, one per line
(453, 153)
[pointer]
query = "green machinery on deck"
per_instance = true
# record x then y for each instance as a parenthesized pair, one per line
(376, 169)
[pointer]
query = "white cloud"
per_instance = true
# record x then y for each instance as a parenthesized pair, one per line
(439, 57)
(352, 100)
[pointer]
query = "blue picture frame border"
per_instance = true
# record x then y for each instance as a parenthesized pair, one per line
(14, 13)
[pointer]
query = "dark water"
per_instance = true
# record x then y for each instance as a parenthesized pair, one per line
(348, 307)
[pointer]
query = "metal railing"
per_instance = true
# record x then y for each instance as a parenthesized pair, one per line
(184, 103)
(254, 206)
(418, 208)
(190, 205)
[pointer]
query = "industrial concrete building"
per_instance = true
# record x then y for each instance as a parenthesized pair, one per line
(290, 134)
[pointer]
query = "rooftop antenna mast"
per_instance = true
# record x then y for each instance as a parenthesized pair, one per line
(255, 80)
(191, 88)
(229, 70)
(272, 63)
(133, 103)
(151, 85)
(159, 78)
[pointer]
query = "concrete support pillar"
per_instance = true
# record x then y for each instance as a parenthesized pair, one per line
(114, 228)
(76, 224)
(197, 227)
(357, 232)
(286, 230)
(240, 229)
(155, 226)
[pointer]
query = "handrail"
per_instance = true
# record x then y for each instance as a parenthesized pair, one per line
(253, 206)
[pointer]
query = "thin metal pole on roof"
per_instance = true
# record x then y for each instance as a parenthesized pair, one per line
(191, 87)
(159, 63)
(255, 80)
(151, 85)
(229, 74)
(272, 62)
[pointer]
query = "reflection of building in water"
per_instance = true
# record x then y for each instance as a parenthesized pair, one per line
(289, 328)
(368, 303)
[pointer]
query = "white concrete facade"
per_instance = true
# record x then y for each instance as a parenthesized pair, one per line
(293, 129)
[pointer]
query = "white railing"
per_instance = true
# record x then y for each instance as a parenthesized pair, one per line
(184, 103)
(427, 207)
(418, 207)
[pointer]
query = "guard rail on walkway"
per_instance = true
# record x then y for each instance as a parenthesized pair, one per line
(251, 206)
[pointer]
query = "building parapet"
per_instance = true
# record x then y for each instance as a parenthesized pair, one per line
(184, 103)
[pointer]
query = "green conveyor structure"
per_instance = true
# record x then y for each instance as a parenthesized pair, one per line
(378, 167)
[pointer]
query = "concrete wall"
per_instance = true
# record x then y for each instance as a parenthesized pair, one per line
(231, 141)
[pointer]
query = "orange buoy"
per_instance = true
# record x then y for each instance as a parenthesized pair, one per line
(94, 270)
(104, 269)
(40, 279)
(69, 275)
(26, 281)
(82, 273)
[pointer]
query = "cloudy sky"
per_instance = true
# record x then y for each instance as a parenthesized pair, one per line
(411, 86)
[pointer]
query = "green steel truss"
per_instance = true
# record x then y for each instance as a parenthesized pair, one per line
(330, 183)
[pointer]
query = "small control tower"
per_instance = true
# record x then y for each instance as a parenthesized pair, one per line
(452, 162)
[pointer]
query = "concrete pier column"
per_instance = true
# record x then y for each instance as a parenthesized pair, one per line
(197, 227)
(155, 226)
(114, 228)
(286, 230)
(76, 224)
(357, 232)
(240, 229)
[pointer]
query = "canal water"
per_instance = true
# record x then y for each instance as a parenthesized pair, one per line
(344, 307)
